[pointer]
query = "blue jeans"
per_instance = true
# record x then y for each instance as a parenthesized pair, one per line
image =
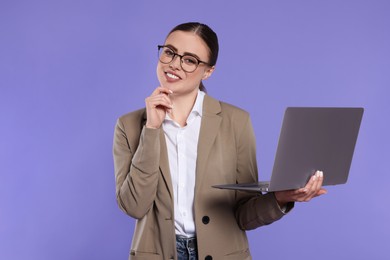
(186, 248)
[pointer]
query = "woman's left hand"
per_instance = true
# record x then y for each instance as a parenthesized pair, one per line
(312, 189)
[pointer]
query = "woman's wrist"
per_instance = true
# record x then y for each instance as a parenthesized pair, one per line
(151, 127)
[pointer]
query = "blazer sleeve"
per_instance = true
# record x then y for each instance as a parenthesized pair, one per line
(136, 168)
(253, 209)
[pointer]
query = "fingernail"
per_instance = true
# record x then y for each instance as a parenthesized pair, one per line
(170, 91)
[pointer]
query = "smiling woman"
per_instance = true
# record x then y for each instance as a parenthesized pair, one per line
(169, 154)
(182, 64)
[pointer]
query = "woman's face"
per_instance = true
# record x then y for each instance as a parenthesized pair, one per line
(172, 76)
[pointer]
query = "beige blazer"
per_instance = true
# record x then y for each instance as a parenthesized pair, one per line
(226, 154)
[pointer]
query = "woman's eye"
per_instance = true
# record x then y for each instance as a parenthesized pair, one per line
(189, 60)
(168, 52)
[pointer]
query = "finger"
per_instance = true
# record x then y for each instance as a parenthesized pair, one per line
(159, 97)
(305, 198)
(299, 192)
(311, 187)
(160, 90)
(311, 183)
(319, 181)
(322, 191)
(318, 186)
(159, 105)
(159, 100)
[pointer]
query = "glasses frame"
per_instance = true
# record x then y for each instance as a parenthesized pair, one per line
(181, 58)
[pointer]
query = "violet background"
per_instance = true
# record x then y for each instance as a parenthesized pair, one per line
(68, 69)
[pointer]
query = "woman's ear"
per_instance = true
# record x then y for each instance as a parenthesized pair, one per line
(208, 72)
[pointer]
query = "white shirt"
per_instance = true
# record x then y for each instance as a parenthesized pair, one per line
(182, 144)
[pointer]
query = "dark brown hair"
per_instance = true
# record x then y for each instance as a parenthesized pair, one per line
(207, 35)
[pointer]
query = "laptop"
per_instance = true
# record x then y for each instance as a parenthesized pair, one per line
(311, 139)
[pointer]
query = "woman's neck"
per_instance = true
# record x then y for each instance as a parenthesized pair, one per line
(182, 106)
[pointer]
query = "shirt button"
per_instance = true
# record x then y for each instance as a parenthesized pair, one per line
(205, 220)
(209, 257)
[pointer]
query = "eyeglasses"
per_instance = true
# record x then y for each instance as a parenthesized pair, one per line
(188, 63)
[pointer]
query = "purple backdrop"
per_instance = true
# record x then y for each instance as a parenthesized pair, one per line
(68, 69)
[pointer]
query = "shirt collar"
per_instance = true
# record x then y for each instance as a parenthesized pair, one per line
(197, 109)
(198, 106)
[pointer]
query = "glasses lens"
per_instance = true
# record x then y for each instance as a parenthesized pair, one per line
(189, 63)
(165, 54)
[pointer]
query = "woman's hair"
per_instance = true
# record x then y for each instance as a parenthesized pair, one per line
(207, 35)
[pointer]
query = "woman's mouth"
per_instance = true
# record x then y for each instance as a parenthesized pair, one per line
(172, 76)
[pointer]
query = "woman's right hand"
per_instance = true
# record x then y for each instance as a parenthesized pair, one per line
(157, 105)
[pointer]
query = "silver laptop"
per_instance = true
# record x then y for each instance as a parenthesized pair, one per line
(311, 139)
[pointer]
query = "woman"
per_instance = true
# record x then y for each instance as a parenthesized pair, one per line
(169, 154)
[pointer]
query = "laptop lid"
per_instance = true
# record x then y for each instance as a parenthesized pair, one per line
(315, 138)
(311, 138)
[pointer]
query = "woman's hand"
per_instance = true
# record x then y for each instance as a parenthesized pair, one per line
(157, 105)
(312, 189)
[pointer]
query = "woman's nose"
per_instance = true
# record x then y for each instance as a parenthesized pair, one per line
(176, 62)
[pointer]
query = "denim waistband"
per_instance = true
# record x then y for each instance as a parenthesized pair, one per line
(189, 242)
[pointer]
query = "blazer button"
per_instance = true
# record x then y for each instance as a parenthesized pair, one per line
(209, 257)
(205, 221)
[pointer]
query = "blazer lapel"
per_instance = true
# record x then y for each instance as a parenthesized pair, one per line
(164, 163)
(208, 131)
